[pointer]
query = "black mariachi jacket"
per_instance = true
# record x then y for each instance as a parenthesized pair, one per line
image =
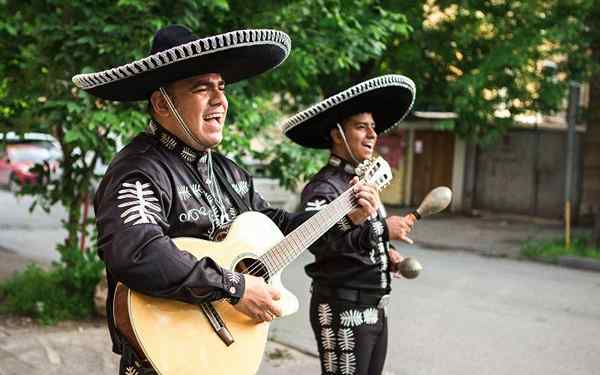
(155, 189)
(357, 260)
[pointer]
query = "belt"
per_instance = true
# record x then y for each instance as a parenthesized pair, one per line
(352, 295)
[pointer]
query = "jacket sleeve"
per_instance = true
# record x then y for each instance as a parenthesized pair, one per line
(131, 207)
(350, 238)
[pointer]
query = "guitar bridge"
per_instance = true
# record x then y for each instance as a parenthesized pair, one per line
(217, 323)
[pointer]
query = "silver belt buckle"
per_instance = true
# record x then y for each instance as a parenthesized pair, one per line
(383, 303)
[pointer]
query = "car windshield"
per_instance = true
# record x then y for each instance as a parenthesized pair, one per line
(25, 154)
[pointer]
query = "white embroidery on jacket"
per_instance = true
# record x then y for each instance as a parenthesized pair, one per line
(241, 187)
(140, 198)
(377, 227)
(184, 193)
(233, 277)
(168, 141)
(324, 314)
(316, 205)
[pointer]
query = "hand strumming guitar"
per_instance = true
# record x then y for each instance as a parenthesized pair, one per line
(257, 300)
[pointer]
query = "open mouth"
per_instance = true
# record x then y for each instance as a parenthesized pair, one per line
(214, 118)
(369, 146)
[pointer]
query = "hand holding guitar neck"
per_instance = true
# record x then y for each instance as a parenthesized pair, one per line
(437, 200)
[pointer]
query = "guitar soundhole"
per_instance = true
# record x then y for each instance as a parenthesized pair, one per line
(253, 267)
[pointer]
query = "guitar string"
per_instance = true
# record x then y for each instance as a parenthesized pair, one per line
(283, 246)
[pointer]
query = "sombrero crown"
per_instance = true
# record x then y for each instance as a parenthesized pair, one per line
(388, 98)
(178, 54)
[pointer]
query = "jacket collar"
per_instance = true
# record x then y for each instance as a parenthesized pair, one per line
(336, 161)
(174, 144)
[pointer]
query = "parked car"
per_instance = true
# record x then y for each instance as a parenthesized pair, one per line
(41, 139)
(17, 161)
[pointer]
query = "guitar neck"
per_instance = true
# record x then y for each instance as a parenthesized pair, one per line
(282, 254)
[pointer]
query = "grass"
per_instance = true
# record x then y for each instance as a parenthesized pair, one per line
(552, 250)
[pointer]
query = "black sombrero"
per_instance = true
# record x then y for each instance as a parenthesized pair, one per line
(388, 98)
(178, 54)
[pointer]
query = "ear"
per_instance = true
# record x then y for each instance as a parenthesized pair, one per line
(336, 137)
(159, 105)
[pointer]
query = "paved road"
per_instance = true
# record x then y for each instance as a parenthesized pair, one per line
(30, 234)
(465, 314)
(468, 314)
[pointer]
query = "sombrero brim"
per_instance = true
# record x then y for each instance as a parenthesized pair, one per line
(236, 55)
(388, 98)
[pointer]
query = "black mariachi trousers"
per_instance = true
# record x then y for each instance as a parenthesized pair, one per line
(130, 364)
(352, 338)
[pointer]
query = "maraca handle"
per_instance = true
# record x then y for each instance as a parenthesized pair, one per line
(416, 214)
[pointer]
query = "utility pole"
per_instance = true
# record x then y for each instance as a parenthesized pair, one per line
(574, 92)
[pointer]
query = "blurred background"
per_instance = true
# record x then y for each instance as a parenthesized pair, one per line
(507, 114)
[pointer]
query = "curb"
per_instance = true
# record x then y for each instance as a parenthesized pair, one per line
(567, 261)
(587, 264)
(295, 347)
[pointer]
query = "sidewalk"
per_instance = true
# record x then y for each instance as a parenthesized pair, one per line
(80, 348)
(496, 235)
(83, 348)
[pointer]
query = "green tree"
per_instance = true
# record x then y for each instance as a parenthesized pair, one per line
(484, 59)
(39, 55)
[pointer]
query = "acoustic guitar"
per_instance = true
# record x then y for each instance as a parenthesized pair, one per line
(178, 338)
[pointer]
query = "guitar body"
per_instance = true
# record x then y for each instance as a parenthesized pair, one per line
(178, 339)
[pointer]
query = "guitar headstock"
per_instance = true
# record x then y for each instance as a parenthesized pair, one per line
(375, 172)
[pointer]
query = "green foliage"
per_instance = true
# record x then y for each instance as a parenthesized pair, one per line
(485, 59)
(63, 292)
(550, 251)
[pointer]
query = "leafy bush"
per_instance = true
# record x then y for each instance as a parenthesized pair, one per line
(63, 292)
(550, 251)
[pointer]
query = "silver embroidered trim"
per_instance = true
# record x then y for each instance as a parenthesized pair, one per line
(371, 316)
(152, 128)
(168, 141)
(316, 205)
(233, 277)
(328, 338)
(184, 193)
(344, 224)
(199, 47)
(130, 370)
(345, 338)
(330, 361)
(241, 187)
(140, 198)
(347, 363)
(325, 315)
(384, 281)
(372, 256)
(370, 85)
(377, 227)
(351, 318)
(188, 154)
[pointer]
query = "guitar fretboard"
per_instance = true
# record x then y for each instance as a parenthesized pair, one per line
(282, 254)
